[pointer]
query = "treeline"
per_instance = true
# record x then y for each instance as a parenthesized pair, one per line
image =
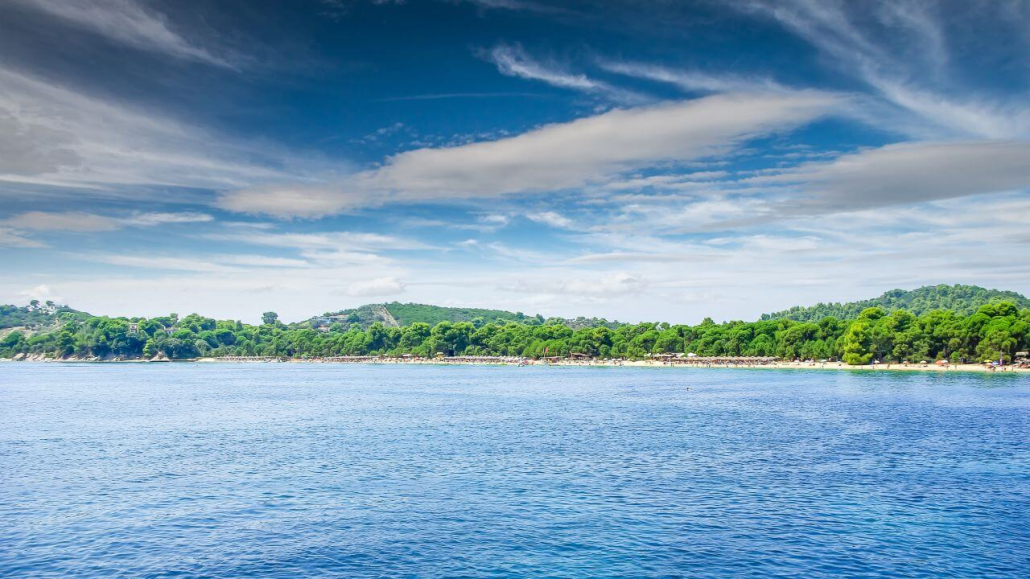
(964, 300)
(995, 331)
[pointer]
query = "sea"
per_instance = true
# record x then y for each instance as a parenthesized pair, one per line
(322, 470)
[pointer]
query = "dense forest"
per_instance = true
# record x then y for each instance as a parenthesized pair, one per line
(994, 331)
(961, 299)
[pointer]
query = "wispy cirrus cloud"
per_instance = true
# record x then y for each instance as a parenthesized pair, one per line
(552, 218)
(64, 139)
(15, 230)
(146, 219)
(199, 263)
(13, 238)
(900, 50)
(331, 240)
(84, 221)
(78, 221)
(128, 23)
(692, 80)
(513, 60)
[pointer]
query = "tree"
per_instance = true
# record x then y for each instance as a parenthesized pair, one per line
(856, 343)
(269, 318)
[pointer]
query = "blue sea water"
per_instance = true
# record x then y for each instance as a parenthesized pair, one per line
(290, 470)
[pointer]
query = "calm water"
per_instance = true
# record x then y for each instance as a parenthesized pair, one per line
(312, 471)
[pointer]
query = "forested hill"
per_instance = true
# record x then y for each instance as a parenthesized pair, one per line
(961, 299)
(396, 314)
(407, 314)
(35, 315)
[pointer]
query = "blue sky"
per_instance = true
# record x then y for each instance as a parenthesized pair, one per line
(632, 160)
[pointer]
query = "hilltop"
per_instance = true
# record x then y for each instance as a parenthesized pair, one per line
(35, 316)
(396, 315)
(961, 299)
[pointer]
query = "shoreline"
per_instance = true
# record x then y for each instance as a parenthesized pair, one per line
(367, 360)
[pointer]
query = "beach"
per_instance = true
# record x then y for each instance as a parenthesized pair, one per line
(613, 363)
(563, 362)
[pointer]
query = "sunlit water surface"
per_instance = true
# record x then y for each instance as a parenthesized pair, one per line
(289, 470)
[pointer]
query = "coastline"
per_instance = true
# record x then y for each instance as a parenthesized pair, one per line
(482, 361)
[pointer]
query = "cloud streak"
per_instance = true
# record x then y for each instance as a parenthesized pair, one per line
(692, 81)
(909, 173)
(513, 60)
(59, 137)
(891, 51)
(128, 23)
(591, 149)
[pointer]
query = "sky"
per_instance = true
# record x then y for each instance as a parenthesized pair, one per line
(633, 160)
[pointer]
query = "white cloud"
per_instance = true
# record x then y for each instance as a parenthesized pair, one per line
(201, 263)
(262, 261)
(592, 149)
(693, 81)
(612, 285)
(616, 284)
(41, 292)
(673, 182)
(507, 252)
(160, 262)
(512, 60)
(12, 238)
(495, 219)
(286, 201)
(82, 222)
(67, 221)
(382, 286)
(128, 23)
(158, 218)
(911, 172)
(550, 158)
(551, 218)
(899, 50)
(57, 136)
(330, 240)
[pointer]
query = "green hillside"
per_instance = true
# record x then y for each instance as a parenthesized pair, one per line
(34, 316)
(407, 314)
(396, 314)
(961, 299)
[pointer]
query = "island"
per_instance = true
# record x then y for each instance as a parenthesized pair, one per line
(931, 328)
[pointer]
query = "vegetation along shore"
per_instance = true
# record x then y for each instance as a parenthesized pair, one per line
(898, 331)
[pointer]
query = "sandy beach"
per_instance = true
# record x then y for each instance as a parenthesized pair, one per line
(824, 366)
(597, 363)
